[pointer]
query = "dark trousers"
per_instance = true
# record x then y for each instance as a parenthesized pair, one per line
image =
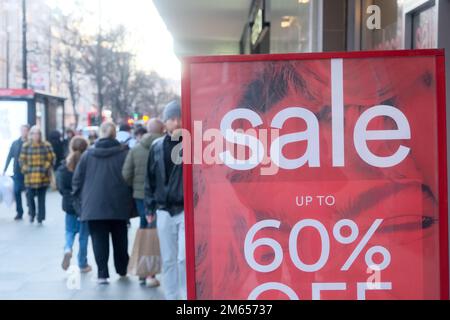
(100, 231)
(40, 194)
(141, 210)
(18, 189)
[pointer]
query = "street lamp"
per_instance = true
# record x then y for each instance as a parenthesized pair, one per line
(24, 45)
(8, 58)
(100, 16)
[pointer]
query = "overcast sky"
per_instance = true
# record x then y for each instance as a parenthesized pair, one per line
(149, 38)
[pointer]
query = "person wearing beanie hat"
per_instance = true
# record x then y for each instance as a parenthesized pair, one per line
(172, 111)
(164, 201)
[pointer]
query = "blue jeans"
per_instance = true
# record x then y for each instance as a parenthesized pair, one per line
(141, 210)
(74, 226)
(19, 187)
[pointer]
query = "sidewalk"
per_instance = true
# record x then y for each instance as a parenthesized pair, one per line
(30, 262)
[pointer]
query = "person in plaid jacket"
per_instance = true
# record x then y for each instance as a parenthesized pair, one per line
(36, 161)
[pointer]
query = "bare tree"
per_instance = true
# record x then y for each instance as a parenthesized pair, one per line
(68, 58)
(109, 66)
(119, 93)
(152, 93)
(104, 60)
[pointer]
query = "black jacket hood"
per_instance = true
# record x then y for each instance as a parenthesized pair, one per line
(105, 148)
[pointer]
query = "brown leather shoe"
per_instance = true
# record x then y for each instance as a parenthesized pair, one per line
(66, 261)
(86, 270)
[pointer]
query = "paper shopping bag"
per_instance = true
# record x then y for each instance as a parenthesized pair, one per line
(145, 258)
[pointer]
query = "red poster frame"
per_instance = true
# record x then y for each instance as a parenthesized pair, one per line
(439, 54)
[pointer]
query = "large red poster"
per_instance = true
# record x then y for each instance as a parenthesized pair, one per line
(316, 176)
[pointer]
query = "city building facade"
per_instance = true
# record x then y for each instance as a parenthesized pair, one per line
(273, 26)
(43, 45)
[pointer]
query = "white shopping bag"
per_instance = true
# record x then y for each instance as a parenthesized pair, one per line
(7, 190)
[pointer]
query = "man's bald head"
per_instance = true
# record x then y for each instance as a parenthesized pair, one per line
(155, 126)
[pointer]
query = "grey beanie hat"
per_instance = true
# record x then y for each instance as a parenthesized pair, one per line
(172, 110)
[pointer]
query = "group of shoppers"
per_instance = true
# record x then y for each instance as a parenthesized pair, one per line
(103, 184)
(33, 164)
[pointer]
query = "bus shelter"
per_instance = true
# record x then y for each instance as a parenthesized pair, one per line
(24, 106)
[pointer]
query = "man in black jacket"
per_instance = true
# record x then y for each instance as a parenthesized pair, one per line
(14, 153)
(164, 201)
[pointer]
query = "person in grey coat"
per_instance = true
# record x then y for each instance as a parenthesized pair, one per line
(105, 200)
(134, 172)
(135, 168)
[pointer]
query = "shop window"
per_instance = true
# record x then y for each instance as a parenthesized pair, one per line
(424, 28)
(390, 35)
(294, 26)
(40, 117)
(405, 24)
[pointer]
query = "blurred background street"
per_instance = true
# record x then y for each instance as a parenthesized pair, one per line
(69, 66)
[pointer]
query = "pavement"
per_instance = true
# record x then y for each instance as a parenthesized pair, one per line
(31, 256)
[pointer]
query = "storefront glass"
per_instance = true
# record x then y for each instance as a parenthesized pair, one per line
(424, 29)
(293, 26)
(400, 19)
(390, 35)
(40, 117)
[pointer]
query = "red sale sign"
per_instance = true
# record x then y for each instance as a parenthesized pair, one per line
(316, 176)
